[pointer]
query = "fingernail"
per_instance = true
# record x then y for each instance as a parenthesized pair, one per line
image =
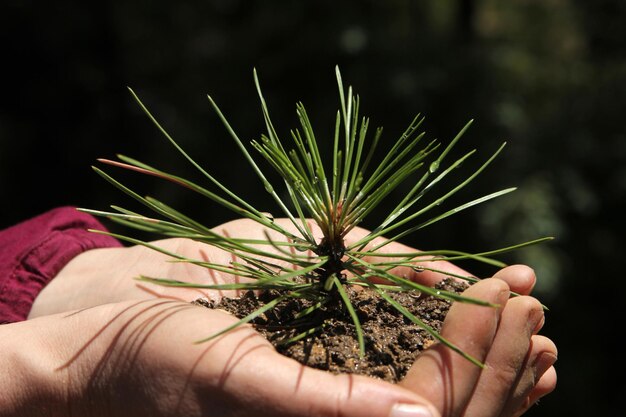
(410, 410)
(543, 362)
(539, 324)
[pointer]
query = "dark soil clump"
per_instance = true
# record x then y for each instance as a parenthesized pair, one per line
(392, 342)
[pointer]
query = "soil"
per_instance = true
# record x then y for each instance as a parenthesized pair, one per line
(392, 342)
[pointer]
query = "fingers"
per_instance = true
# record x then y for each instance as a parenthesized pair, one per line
(518, 362)
(506, 381)
(545, 385)
(426, 272)
(444, 377)
(434, 271)
(536, 378)
(520, 278)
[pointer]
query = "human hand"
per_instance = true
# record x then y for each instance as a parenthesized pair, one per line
(134, 346)
(138, 358)
(518, 362)
(106, 275)
(95, 281)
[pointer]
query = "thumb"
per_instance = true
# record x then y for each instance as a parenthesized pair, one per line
(445, 377)
(139, 358)
(304, 391)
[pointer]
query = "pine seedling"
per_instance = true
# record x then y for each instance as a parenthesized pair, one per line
(335, 192)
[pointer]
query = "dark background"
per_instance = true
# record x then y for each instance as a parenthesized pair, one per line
(547, 76)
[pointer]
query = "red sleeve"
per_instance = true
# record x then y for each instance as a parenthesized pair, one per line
(34, 251)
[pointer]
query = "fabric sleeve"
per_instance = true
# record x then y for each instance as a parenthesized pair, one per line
(34, 251)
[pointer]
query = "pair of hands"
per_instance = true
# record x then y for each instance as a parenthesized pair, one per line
(98, 343)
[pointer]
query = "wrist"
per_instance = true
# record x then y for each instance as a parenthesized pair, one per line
(28, 375)
(77, 284)
(34, 251)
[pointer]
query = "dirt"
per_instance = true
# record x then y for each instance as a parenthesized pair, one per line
(392, 342)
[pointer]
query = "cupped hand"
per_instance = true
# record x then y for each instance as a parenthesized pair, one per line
(139, 358)
(106, 275)
(518, 362)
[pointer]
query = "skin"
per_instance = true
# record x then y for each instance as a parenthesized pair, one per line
(98, 343)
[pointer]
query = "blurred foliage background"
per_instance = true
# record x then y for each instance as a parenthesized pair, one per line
(547, 76)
